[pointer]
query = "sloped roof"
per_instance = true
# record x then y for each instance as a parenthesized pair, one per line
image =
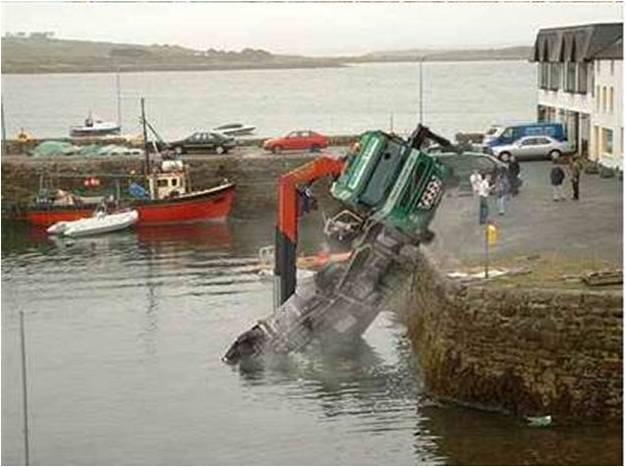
(579, 43)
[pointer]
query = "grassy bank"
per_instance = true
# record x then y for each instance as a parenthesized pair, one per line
(49, 55)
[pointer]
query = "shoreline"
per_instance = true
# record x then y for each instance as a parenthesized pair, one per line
(242, 67)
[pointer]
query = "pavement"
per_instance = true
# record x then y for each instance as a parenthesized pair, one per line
(588, 229)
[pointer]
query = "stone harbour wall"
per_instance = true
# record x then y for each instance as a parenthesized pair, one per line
(256, 177)
(521, 351)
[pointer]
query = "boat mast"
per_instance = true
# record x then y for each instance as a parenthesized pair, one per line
(146, 170)
(119, 101)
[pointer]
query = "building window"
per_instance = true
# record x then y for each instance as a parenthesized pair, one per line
(543, 75)
(612, 67)
(593, 80)
(611, 99)
(582, 78)
(604, 99)
(570, 77)
(607, 140)
(555, 76)
(598, 98)
(599, 68)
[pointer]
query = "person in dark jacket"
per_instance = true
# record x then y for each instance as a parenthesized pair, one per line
(575, 169)
(556, 180)
(514, 170)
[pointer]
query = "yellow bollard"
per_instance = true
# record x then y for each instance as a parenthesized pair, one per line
(491, 236)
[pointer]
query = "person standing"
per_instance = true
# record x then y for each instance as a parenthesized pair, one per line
(475, 179)
(484, 188)
(514, 170)
(575, 169)
(556, 180)
(502, 189)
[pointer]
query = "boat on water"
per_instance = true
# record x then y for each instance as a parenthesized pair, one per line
(95, 127)
(101, 222)
(167, 202)
(165, 198)
(235, 129)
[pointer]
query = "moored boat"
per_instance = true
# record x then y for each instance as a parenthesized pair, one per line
(95, 128)
(235, 129)
(213, 204)
(167, 198)
(99, 223)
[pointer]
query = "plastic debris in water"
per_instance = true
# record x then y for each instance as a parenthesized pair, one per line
(539, 421)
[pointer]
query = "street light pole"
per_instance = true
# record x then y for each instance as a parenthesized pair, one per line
(421, 91)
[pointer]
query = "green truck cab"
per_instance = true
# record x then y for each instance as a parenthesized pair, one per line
(415, 196)
(399, 186)
(371, 173)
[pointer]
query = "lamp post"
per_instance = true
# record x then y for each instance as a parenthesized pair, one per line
(421, 90)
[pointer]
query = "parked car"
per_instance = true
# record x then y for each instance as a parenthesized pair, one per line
(301, 140)
(499, 135)
(460, 166)
(204, 141)
(532, 147)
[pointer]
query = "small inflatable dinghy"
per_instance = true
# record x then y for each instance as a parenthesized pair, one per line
(100, 223)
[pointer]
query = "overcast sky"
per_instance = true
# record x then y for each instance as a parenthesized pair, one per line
(309, 28)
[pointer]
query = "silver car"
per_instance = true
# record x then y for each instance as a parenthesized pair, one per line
(532, 147)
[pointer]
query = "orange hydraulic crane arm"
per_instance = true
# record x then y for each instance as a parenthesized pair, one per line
(287, 220)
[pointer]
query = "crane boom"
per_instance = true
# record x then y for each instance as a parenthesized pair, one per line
(392, 189)
(325, 165)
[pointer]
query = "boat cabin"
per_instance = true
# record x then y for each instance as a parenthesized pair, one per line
(167, 185)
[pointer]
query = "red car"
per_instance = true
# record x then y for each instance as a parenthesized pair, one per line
(297, 140)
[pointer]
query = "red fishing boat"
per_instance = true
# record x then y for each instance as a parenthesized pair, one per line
(168, 201)
(168, 198)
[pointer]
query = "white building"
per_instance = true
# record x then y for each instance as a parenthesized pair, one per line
(580, 85)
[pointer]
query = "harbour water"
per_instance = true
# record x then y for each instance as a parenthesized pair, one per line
(124, 336)
(458, 96)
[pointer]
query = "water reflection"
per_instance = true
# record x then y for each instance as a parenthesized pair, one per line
(472, 437)
(209, 236)
(144, 317)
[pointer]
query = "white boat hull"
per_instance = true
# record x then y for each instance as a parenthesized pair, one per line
(232, 130)
(99, 224)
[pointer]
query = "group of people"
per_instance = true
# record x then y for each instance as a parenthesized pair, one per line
(557, 177)
(504, 185)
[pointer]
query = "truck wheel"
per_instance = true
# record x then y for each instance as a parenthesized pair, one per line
(315, 148)
(219, 150)
(179, 150)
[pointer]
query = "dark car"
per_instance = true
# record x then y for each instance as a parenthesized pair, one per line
(204, 141)
(460, 166)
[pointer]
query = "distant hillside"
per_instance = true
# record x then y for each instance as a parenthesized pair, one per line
(48, 55)
(414, 55)
(41, 54)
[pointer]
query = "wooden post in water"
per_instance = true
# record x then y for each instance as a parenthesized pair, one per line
(24, 390)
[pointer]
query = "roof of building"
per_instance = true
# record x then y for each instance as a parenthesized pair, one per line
(579, 43)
